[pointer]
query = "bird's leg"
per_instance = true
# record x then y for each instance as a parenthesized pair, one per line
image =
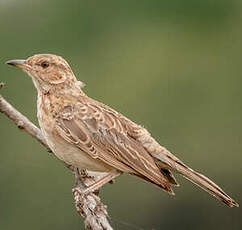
(97, 184)
(80, 175)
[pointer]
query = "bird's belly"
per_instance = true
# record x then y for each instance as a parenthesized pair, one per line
(72, 155)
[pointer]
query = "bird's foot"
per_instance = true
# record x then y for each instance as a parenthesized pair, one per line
(96, 185)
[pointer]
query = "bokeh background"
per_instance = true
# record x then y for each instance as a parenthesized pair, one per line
(172, 66)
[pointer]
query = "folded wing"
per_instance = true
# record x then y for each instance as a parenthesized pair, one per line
(100, 134)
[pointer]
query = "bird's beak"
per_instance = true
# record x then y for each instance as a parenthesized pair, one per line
(19, 63)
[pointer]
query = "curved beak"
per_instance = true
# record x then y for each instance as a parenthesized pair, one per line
(19, 63)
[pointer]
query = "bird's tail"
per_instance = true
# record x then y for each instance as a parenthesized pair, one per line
(176, 165)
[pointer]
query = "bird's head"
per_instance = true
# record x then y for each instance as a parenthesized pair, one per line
(47, 71)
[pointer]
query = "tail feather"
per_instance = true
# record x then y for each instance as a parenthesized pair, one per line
(206, 184)
(173, 163)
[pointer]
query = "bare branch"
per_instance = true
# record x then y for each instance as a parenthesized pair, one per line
(21, 121)
(88, 205)
(91, 206)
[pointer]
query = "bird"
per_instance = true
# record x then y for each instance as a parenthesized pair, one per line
(92, 136)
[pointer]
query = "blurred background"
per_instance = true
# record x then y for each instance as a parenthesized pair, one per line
(172, 66)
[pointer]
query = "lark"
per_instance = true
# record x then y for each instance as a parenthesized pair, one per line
(90, 135)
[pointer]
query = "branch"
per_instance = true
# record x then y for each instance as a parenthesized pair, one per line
(21, 121)
(88, 205)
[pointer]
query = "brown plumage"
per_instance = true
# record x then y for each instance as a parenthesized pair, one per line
(90, 135)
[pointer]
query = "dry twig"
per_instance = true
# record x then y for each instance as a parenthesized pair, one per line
(88, 205)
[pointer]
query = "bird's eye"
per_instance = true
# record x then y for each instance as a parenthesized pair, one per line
(44, 64)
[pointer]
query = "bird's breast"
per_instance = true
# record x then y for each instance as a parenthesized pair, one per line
(67, 152)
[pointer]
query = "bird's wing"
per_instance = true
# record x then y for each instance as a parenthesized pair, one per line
(99, 131)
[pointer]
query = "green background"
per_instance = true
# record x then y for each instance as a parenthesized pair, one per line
(172, 66)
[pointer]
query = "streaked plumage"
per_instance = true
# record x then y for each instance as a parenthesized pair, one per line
(90, 135)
